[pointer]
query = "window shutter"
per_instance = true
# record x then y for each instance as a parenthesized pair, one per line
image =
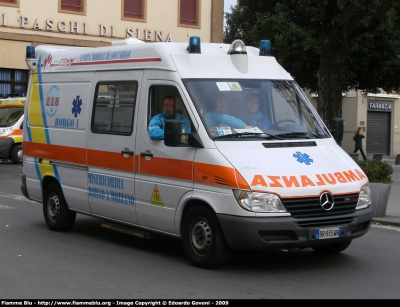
(72, 5)
(133, 9)
(188, 12)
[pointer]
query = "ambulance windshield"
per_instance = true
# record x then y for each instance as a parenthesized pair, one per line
(10, 115)
(271, 109)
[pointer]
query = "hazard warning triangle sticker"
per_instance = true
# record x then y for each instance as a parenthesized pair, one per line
(156, 199)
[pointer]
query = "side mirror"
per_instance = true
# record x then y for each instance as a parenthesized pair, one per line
(337, 129)
(172, 132)
(172, 135)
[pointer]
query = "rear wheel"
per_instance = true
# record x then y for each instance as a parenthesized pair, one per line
(16, 154)
(55, 210)
(203, 241)
(332, 248)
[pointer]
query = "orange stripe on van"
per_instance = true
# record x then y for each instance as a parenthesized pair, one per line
(242, 183)
(170, 168)
(55, 152)
(17, 132)
(218, 175)
(112, 160)
(173, 168)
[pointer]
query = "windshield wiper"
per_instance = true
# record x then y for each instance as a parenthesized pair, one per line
(295, 134)
(249, 135)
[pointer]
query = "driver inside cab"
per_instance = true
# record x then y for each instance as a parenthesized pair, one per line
(251, 114)
(156, 125)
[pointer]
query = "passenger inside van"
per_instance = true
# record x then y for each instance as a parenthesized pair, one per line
(251, 114)
(156, 125)
(219, 115)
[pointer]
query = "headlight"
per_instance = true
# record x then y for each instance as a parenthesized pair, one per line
(365, 197)
(259, 202)
(6, 131)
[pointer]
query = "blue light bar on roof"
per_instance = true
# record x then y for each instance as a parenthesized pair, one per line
(30, 52)
(194, 44)
(265, 48)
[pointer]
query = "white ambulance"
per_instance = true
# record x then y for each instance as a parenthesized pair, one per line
(254, 169)
(11, 123)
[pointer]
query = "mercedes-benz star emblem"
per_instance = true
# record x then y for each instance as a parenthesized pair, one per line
(326, 201)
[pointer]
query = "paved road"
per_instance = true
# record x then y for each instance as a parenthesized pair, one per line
(91, 262)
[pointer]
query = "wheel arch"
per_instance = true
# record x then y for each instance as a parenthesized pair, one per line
(46, 181)
(190, 203)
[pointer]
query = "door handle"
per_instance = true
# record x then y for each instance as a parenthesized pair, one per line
(127, 152)
(146, 154)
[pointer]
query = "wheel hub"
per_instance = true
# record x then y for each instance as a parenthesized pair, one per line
(19, 155)
(54, 208)
(201, 237)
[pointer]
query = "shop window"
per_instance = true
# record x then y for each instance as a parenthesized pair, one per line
(114, 108)
(72, 6)
(13, 82)
(134, 10)
(189, 13)
(10, 3)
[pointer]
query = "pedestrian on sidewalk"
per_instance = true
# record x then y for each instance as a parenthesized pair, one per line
(357, 138)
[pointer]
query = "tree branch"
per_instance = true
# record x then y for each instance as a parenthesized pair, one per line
(374, 20)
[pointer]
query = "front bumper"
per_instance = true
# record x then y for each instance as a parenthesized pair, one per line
(5, 147)
(262, 233)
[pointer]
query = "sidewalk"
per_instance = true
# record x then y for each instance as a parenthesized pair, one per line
(392, 216)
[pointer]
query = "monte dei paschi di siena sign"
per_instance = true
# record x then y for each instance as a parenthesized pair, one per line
(72, 27)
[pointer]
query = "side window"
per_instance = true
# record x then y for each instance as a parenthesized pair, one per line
(114, 107)
(156, 96)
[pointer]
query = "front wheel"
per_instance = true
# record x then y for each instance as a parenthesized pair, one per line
(16, 154)
(332, 248)
(203, 241)
(56, 213)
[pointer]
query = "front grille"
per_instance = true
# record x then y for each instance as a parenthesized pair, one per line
(325, 222)
(311, 207)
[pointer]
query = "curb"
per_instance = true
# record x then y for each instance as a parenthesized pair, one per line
(387, 220)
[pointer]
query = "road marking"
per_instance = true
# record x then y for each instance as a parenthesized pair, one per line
(16, 197)
(5, 207)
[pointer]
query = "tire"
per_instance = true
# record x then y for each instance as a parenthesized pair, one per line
(16, 154)
(202, 238)
(55, 210)
(333, 248)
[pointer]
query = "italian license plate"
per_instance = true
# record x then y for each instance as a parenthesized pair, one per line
(328, 233)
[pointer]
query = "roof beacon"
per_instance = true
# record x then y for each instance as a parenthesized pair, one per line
(194, 44)
(265, 48)
(30, 59)
(237, 47)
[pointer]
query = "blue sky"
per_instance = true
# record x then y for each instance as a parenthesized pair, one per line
(227, 5)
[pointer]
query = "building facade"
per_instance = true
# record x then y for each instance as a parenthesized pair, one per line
(377, 114)
(92, 23)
